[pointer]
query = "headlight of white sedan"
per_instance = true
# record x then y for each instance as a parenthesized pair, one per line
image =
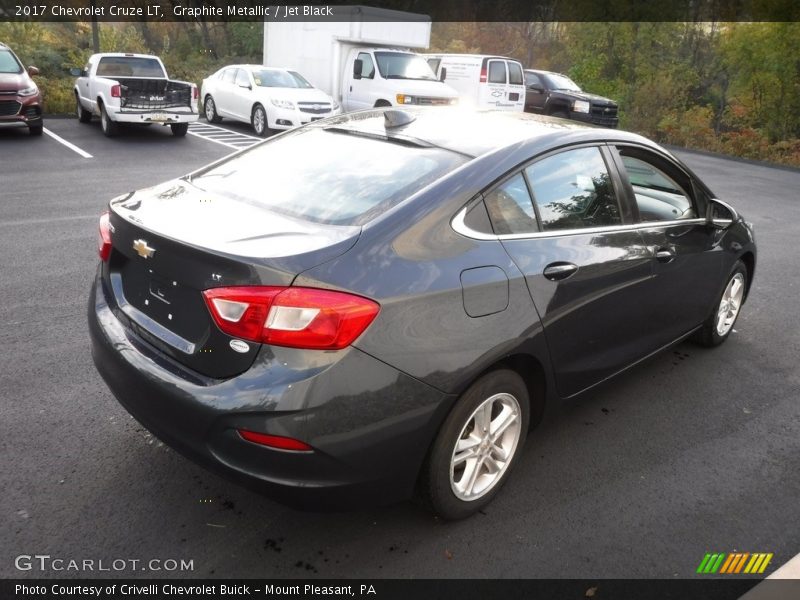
(282, 103)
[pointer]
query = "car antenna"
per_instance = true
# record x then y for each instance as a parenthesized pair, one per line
(397, 118)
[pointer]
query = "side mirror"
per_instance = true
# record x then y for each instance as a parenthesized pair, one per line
(76, 72)
(720, 215)
(358, 65)
(33, 71)
(443, 74)
(245, 86)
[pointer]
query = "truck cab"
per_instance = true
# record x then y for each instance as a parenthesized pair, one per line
(391, 77)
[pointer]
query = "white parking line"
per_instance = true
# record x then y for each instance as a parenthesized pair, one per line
(222, 136)
(69, 145)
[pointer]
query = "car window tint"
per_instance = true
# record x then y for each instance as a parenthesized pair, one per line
(367, 66)
(510, 207)
(329, 177)
(129, 66)
(242, 79)
(658, 197)
(497, 71)
(514, 73)
(573, 190)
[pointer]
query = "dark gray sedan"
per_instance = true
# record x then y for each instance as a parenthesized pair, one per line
(388, 301)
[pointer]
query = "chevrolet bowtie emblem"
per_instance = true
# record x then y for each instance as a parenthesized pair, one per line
(142, 249)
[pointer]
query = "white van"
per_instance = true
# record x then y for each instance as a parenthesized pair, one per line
(482, 80)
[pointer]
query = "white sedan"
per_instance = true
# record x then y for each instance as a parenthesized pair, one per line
(267, 98)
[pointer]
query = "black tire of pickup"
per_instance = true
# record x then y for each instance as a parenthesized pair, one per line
(84, 116)
(179, 129)
(109, 127)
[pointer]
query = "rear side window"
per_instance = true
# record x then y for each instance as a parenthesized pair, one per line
(497, 71)
(657, 195)
(573, 190)
(515, 73)
(326, 176)
(229, 75)
(510, 208)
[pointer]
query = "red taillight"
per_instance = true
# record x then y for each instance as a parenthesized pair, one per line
(295, 316)
(483, 75)
(195, 92)
(104, 237)
(115, 91)
(274, 441)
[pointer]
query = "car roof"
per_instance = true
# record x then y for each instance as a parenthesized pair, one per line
(476, 56)
(475, 133)
(545, 72)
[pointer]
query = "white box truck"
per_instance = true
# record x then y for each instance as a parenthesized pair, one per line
(363, 62)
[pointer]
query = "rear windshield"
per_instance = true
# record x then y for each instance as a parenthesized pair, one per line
(8, 63)
(129, 66)
(327, 176)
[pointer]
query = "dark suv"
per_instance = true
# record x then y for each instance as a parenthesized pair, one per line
(20, 98)
(557, 95)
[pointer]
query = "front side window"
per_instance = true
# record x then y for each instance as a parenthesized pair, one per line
(242, 79)
(515, 73)
(657, 195)
(510, 208)
(367, 66)
(327, 176)
(573, 190)
(229, 76)
(497, 71)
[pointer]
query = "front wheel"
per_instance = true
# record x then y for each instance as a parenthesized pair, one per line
(259, 121)
(211, 111)
(477, 445)
(720, 323)
(36, 129)
(179, 129)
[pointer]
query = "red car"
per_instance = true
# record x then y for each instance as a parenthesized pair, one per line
(20, 98)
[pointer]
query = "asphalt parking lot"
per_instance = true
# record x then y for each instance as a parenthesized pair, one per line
(695, 451)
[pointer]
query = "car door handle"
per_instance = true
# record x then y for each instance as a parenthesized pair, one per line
(559, 271)
(664, 255)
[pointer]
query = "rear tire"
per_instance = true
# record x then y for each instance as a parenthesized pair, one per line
(259, 121)
(84, 116)
(179, 129)
(109, 127)
(477, 446)
(721, 321)
(36, 129)
(211, 111)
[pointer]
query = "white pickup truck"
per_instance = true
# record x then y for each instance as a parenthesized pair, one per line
(133, 88)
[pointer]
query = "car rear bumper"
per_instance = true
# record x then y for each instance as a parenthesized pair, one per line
(166, 117)
(369, 424)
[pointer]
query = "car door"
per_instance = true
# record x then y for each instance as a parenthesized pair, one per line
(242, 95)
(495, 90)
(358, 92)
(535, 97)
(223, 92)
(564, 222)
(516, 87)
(687, 258)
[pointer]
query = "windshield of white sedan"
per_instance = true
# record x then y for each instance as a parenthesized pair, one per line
(328, 177)
(9, 64)
(401, 65)
(280, 79)
(129, 66)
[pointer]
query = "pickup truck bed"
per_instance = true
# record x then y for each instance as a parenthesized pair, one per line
(153, 94)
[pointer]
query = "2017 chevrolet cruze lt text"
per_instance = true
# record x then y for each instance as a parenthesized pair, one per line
(388, 301)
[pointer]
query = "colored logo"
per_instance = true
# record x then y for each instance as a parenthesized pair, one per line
(735, 562)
